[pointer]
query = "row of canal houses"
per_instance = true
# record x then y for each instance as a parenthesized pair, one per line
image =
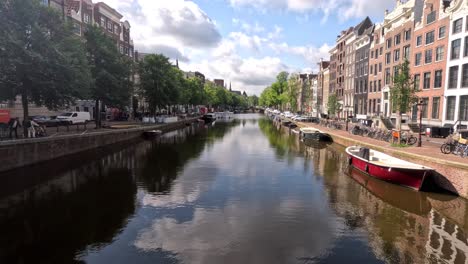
(431, 34)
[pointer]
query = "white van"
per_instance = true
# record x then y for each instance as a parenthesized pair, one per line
(75, 117)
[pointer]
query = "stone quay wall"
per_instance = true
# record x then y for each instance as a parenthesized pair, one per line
(20, 153)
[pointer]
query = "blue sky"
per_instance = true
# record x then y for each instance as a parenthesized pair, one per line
(246, 42)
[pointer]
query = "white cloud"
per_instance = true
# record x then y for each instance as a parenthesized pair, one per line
(179, 24)
(310, 53)
(346, 8)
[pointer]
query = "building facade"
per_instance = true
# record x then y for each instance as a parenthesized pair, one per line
(398, 26)
(323, 87)
(456, 87)
(429, 62)
(362, 49)
(376, 60)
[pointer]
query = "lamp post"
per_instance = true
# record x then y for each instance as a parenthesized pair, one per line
(420, 105)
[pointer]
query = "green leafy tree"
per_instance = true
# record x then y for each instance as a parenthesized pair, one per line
(333, 105)
(192, 91)
(402, 92)
(253, 100)
(292, 92)
(160, 81)
(41, 59)
(110, 71)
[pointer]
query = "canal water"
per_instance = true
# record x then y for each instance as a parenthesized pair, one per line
(244, 191)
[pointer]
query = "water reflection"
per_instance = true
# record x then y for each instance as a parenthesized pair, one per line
(243, 191)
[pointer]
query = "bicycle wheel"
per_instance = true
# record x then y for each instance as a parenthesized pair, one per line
(446, 148)
(412, 141)
(403, 141)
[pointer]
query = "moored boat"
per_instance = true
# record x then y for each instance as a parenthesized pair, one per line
(208, 118)
(388, 168)
(315, 134)
(151, 134)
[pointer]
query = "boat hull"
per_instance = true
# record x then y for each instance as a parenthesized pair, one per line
(412, 178)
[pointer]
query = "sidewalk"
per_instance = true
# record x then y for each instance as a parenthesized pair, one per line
(430, 149)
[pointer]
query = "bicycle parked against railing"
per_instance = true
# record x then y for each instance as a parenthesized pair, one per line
(408, 140)
(450, 144)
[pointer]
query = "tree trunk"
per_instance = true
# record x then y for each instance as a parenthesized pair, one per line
(97, 117)
(25, 104)
(398, 126)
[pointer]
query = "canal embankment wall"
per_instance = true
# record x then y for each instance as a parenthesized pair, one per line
(25, 152)
(449, 175)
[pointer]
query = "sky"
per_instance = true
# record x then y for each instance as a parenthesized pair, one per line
(245, 42)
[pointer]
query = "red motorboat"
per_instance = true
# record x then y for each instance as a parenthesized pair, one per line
(388, 168)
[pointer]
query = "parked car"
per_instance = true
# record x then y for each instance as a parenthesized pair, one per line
(75, 117)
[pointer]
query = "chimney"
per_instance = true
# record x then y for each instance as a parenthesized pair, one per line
(386, 12)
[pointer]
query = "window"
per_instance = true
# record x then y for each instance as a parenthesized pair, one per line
(103, 22)
(387, 76)
(77, 28)
(418, 40)
(428, 56)
(465, 50)
(435, 107)
(408, 34)
(463, 109)
(370, 86)
(395, 71)
(380, 67)
(87, 18)
(464, 80)
(442, 32)
(372, 54)
(439, 53)
(406, 52)
(455, 49)
(453, 77)
(427, 80)
(381, 50)
(371, 69)
(110, 26)
(417, 59)
(389, 43)
(45, 2)
(397, 39)
(450, 111)
(396, 55)
(425, 102)
(380, 85)
(417, 81)
(375, 86)
(116, 29)
(431, 17)
(387, 58)
(438, 79)
(430, 37)
(457, 26)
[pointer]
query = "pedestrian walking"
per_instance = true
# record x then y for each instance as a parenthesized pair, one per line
(13, 125)
(31, 125)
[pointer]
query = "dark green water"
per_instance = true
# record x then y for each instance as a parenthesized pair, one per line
(238, 192)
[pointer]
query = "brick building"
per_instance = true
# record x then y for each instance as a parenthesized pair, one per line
(398, 29)
(376, 60)
(429, 61)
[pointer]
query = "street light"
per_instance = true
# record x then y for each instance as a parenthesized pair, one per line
(420, 105)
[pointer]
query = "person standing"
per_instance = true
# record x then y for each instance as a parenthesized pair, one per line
(31, 125)
(13, 125)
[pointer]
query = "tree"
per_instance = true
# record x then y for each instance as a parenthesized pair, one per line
(42, 60)
(402, 92)
(253, 100)
(292, 92)
(160, 81)
(192, 91)
(110, 71)
(333, 105)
